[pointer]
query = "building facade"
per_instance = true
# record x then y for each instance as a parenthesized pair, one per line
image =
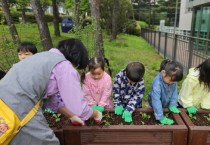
(195, 17)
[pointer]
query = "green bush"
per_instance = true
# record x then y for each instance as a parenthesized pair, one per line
(29, 17)
(132, 27)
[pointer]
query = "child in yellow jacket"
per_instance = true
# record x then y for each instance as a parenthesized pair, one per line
(195, 91)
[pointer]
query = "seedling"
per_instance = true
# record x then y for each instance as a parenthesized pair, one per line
(192, 117)
(105, 122)
(144, 115)
(57, 117)
(142, 123)
(166, 115)
(207, 117)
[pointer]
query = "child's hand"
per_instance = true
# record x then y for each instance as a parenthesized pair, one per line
(77, 121)
(166, 121)
(118, 110)
(174, 109)
(127, 116)
(97, 115)
(94, 107)
(192, 110)
(100, 108)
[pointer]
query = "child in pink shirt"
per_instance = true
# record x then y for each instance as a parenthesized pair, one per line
(97, 85)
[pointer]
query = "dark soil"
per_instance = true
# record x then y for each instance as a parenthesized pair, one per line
(200, 119)
(109, 118)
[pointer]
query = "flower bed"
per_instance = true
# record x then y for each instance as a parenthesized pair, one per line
(125, 133)
(199, 129)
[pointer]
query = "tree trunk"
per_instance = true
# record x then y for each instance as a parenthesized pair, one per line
(23, 14)
(55, 18)
(76, 13)
(42, 25)
(10, 23)
(98, 40)
(114, 19)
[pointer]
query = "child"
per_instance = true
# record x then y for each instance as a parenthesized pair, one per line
(164, 90)
(195, 91)
(98, 85)
(128, 90)
(26, 49)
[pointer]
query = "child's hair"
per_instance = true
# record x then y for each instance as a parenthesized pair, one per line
(96, 62)
(172, 69)
(204, 76)
(2, 74)
(99, 62)
(27, 46)
(135, 71)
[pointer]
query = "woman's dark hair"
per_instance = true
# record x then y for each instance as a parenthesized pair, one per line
(27, 46)
(172, 69)
(2, 74)
(135, 71)
(204, 76)
(74, 51)
(97, 62)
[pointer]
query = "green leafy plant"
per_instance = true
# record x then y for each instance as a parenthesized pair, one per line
(145, 115)
(105, 122)
(166, 115)
(57, 117)
(192, 117)
(207, 117)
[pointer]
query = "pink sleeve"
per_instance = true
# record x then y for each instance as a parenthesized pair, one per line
(87, 93)
(54, 103)
(106, 93)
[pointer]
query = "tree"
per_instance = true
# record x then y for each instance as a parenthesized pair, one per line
(98, 44)
(10, 23)
(115, 14)
(42, 25)
(23, 4)
(55, 18)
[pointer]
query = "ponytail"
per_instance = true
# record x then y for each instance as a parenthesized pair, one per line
(107, 62)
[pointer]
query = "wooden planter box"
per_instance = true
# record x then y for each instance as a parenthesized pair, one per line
(128, 134)
(198, 135)
(59, 135)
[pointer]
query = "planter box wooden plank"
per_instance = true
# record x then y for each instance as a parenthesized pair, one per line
(128, 134)
(59, 135)
(198, 135)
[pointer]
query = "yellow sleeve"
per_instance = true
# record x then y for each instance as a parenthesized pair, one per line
(186, 92)
(205, 103)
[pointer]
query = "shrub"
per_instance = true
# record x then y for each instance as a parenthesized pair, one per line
(132, 27)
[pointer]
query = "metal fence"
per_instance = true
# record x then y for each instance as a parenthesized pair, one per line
(189, 51)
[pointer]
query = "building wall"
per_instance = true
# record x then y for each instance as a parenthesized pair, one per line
(193, 3)
(185, 16)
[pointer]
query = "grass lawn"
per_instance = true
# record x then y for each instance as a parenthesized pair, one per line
(120, 52)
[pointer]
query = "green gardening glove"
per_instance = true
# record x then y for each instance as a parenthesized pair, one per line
(174, 109)
(166, 121)
(100, 108)
(118, 110)
(192, 110)
(94, 107)
(127, 116)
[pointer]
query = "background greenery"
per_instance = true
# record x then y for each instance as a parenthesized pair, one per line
(120, 52)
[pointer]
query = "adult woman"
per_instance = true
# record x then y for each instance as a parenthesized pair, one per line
(46, 73)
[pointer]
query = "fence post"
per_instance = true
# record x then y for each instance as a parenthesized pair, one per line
(190, 48)
(165, 45)
(174, 47)
(154, 39)
(159, 33)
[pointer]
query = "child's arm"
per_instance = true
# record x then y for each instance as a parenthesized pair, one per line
(185, 94)
(173, 100)
(156, 102)
(136, 98)
(106, 93)
(87, 95)
(116, 92)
